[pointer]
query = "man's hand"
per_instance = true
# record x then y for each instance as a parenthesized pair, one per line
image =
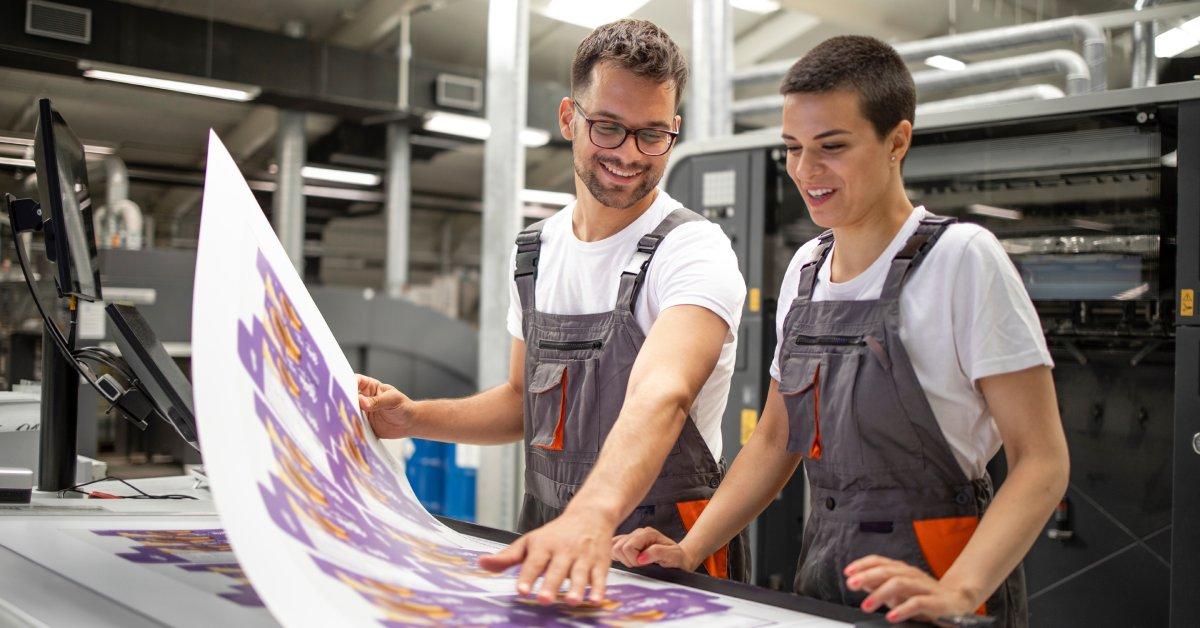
(646, 546)
(389, 411)
(574, 546)
(909, 592)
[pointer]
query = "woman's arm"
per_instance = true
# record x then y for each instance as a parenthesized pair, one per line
(759, 472)
(1025, 408)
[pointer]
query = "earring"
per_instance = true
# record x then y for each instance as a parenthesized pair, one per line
(893, 158)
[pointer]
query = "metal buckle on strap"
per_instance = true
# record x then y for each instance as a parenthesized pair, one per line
(526, 263)
(912, 252)
(649, 243)
(639, 262)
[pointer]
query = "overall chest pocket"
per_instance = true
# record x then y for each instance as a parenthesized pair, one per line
(818, 390)
(562, 406)
(844, 407)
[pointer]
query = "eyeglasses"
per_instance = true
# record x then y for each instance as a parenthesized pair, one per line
(605, 134)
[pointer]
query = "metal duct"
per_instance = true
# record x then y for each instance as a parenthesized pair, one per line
(120, 219)
(117, 178)
(1095, 47)
(1041, 91)
(1079, 80)
(1144, 72)
(1051, 61)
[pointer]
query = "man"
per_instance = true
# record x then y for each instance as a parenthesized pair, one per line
(624, 313)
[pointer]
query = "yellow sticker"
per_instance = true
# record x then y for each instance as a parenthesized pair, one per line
(755, 299)
(749, 422)
(1187, 302)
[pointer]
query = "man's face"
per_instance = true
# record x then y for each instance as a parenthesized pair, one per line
(618, 177)
(841, 166)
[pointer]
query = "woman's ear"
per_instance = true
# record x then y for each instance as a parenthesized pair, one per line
(566, 115)
(900, 140)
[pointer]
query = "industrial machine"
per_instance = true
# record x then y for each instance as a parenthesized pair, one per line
(1097, 200)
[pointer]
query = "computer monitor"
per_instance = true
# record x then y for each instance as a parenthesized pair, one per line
(158, 376)
(63, 188)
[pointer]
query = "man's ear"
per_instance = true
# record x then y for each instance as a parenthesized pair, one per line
(566, 115)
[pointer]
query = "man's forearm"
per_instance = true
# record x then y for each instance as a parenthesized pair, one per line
(632, 455)
(492, 417)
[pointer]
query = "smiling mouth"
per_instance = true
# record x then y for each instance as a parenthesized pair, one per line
(819, 196)
(620, 174)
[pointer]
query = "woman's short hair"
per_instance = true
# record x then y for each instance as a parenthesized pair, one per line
(865, 66)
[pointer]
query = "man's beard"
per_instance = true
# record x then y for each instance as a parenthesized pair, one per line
(617, 199)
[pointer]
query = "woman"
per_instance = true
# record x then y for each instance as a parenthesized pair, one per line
(908, 353)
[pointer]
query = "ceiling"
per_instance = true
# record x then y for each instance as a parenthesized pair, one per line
(166, 130)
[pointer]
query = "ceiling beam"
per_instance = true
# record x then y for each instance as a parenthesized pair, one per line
(771, 34)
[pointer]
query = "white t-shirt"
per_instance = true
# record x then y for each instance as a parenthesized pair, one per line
(965, 315)
(694, 265)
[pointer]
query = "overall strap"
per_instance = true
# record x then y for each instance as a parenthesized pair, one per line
(635, 273)
(529, 247)
(913, 253)
(808, 272)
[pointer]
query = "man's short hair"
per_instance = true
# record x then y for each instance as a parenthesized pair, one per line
(637, 46)
(864, 65)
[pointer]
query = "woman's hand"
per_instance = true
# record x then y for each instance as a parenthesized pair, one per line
(909, 592)
(646, 546)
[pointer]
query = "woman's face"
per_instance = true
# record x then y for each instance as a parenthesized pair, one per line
(842, 168)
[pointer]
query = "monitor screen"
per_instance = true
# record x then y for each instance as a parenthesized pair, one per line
(159, 377)
(66, 197)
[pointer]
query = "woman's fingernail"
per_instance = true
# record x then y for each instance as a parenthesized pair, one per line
(641, 559)
(869, 606)
(854, 582)
(893, 616)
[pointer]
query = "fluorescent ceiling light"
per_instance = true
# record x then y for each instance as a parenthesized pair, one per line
(170, 82)
(12, 161)
(1178, 40)
(995, 212)
(534, 138)
(756, 6)
(545, 197)
(942, 62)
(478, 128)
(592, 13)
(455, 124)
(337, 175)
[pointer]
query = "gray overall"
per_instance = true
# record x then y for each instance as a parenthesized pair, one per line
(882, 476)
(576, 372)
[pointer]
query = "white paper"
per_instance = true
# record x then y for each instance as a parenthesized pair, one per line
(179, 571)
(326, 527)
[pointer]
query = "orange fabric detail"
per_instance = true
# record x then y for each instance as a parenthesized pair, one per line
(716, 565)
(557, 445)
(814, 452)
(942, 540)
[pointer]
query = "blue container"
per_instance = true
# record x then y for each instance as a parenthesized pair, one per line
(427, 473)
(460, 464)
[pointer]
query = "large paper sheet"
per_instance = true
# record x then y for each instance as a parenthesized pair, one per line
(325, 526)
(178, 571)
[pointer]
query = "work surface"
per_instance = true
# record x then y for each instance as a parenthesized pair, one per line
(141, 562)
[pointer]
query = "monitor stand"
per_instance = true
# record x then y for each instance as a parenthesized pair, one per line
(60, 417)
